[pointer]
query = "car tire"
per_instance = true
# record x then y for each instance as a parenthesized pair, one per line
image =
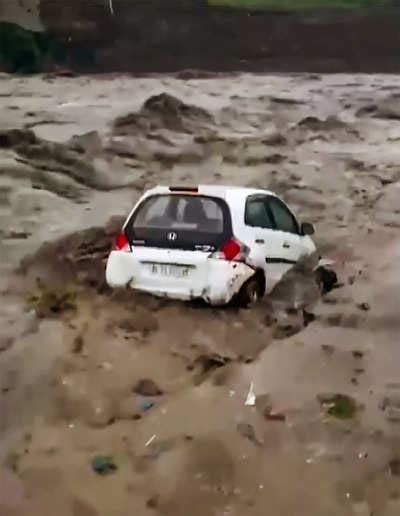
(250, 293)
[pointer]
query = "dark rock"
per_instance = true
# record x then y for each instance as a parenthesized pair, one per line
(147, 387)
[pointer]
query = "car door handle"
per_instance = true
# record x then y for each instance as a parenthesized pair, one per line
(260, 241)
(286, 245)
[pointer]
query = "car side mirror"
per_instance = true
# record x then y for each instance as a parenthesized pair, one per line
(307, 228)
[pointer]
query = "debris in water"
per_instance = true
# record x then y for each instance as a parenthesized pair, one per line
(251, 396)
(145, 403)
(151, 440)
(339, 406)
(328, 349)
(246, 430)
(326, 278)
(364, 306)
(147, 387)
(77, 345)
(358, 354)
(272, 415)
(103, 465)
(308, 317)
(391, 406)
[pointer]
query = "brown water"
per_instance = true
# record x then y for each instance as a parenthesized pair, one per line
(200, 449)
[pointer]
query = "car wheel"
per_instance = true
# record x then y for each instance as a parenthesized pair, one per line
(250, 293)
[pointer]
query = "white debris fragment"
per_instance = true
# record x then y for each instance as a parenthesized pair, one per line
(150, 440)
(251, 396)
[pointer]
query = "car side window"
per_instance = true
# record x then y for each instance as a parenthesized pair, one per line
(283, 218)
(257, 213)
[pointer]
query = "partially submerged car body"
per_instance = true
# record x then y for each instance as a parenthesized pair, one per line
(208, 242)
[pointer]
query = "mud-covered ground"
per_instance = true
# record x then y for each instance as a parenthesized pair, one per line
(153, 393)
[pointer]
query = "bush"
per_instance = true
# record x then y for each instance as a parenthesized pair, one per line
(25, 51)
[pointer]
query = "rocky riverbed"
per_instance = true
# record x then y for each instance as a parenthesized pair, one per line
(118, 403)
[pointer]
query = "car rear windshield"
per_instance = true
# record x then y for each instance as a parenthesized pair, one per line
(180, 220)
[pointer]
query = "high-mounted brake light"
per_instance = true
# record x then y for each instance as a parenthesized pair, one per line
(188, 189)
(232, 251)
(121, 243)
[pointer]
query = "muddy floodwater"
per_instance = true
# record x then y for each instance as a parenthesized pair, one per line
(117, 403)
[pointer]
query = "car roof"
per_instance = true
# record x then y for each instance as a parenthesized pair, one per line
(221, 191)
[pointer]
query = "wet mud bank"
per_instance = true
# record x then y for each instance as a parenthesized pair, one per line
(170, 36)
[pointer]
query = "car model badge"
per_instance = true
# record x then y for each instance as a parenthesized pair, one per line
(172, 236)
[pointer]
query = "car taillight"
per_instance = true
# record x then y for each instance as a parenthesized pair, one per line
(121, 243)
(233, 250)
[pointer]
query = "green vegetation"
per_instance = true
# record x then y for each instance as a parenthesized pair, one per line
(24, 51)
(339, 406)
(300, 5)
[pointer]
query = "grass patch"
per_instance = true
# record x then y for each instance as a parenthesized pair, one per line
(339, 406)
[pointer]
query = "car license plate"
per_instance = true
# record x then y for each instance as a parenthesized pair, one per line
(174, 271)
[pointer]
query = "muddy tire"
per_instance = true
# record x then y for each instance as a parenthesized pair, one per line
(250, 293)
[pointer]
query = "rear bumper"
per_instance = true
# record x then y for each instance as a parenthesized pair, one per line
(217, 284)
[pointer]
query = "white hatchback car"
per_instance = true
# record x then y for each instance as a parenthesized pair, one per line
(214, 243)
